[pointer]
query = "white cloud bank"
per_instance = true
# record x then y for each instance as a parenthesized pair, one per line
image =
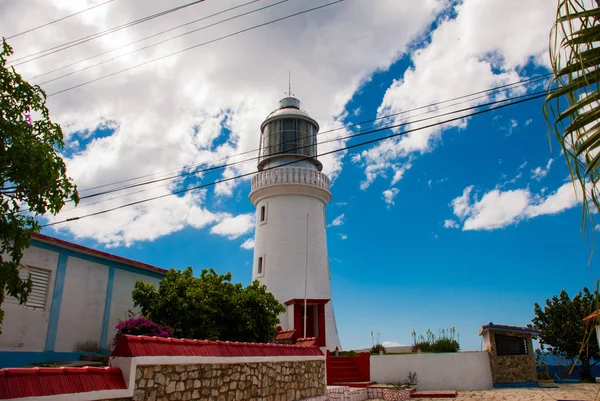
(485, 45)
(201, 105)
(498, 209)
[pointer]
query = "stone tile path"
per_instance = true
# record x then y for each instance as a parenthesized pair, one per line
(580, 392)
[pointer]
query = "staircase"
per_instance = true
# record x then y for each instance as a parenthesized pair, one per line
(351, 371)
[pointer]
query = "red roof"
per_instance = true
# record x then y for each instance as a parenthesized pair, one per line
(104, 255)
(132, 346)
(285, 335)
(37, 382)
(307, 342)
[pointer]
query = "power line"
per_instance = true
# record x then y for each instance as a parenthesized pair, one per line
(85, 39)
(142, 39)
(306, 158)
(184, 173)
(196, 46)
(470, 95)
(163, 41)
(282, 152)
(222, 166)
(58, 20)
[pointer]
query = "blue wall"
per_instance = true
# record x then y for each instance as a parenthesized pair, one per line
(25, 358)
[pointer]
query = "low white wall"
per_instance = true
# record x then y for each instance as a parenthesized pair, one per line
(452, 371)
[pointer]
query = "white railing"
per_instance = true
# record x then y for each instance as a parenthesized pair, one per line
(290, 175)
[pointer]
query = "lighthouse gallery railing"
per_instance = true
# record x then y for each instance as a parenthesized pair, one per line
(290, 175)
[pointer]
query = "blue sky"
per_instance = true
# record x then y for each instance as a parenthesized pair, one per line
(414, 274)
(457, 226)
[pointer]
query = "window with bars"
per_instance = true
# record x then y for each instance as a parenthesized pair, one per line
(509, 345)
(40, 282)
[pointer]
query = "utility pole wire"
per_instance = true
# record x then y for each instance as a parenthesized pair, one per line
(85, 39)
(142, 39)
(57, 20)
(303, 159)
(196, 46)
(491, 90)
(182, 174)
(161, 42)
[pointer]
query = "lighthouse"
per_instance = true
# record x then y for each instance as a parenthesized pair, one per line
(290, 252)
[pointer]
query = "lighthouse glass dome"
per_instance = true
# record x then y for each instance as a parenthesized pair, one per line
(288, 131)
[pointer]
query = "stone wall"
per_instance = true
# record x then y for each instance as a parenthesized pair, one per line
(512, 368)
(267, 381)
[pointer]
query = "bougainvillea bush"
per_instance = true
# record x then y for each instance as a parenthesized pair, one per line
(141, 326)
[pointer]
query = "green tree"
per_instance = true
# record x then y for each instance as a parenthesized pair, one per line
(564, 332)
(572, 110)
(32, 172)
(210, 307)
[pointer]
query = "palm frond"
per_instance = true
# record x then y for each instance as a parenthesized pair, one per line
(572, 106)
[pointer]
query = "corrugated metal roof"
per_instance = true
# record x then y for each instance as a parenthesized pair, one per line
(94, 252)
(133, 346)
(307, 342)
(285, 335)
(37, 382)
(503, 327)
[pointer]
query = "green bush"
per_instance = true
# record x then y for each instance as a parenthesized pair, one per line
(444, 342)
(375, 348)
(445, 345)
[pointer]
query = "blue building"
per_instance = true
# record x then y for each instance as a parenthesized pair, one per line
(79, 295)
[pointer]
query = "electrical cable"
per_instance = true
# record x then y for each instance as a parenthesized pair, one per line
(141, 40)
(491, 90)
(85, 39)
(196, 46)
(214, 168)
(57, 20)
(303, 159)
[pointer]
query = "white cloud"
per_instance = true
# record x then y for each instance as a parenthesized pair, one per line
(338, 221)
(343, 236)
(248, 244)
(485, 45)
(451, 224)
(201, 105)
(233, 227)
(389, 195)
(391, 344)
(497, 209)
(540, 172)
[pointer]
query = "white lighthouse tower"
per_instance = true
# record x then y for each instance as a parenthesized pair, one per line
(290, 194)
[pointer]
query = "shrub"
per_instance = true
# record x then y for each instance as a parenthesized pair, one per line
(445, 345)
(141, 326)
(445, 341)
(375, 348)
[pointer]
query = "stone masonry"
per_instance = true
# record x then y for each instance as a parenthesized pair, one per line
(512, 368)
(268, 381)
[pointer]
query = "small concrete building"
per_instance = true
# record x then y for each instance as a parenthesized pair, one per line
(511, 354)
(79, 295)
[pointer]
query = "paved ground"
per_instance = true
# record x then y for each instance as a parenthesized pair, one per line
(580, 392)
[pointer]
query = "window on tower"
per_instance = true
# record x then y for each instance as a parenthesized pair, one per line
(259, 269)
(263, 213)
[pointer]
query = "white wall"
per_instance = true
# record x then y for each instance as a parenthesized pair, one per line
(82, 307)
(121, 299)
(25, 329)
(281, 241)
(452, 371)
